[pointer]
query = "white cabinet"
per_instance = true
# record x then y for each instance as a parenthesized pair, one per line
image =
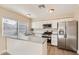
(54, 40)
(20, 47)
(37, 25)
(44, 48)
(54, 25)
(38, 34)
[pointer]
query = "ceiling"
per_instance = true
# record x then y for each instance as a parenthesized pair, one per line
(36, 13)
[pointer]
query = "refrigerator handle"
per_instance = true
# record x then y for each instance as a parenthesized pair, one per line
(65, 35)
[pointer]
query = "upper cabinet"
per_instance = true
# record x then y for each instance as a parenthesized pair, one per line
(44, 25)
(37, 25)
(54, 25)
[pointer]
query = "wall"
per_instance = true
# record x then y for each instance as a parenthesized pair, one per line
(15, 16)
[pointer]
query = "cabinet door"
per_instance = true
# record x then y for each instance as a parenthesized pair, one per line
(37, 25)
(54, 25)
(54, 40)
(44, 48)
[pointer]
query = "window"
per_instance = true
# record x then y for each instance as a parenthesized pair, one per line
(9, 28)
(21, 30)
(12, 28)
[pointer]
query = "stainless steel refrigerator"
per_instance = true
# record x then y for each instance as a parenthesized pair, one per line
(68, 35)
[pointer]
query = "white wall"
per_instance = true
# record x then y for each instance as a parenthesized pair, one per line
(15, 16)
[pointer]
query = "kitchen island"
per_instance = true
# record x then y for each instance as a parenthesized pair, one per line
(32, 45)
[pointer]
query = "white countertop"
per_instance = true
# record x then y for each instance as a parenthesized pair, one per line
(31, 38)
(35, 39)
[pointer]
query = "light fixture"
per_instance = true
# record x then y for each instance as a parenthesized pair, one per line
(41, 6)
(51, 10)
(28, 15)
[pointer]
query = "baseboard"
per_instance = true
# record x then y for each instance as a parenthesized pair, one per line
(2, 52)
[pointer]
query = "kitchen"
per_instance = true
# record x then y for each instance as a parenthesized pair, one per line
(56, 36)
(46, 33)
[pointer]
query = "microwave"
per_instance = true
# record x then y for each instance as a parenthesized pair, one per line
(47, 26)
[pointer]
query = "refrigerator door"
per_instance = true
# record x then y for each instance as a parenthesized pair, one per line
(61, 35)
(71, 38)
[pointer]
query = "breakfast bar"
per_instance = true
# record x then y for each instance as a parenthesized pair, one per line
(33, 45)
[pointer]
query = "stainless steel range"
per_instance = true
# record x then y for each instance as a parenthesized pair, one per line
(47, 35)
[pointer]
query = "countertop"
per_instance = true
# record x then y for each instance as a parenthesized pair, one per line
(30, 38)
(37, 39)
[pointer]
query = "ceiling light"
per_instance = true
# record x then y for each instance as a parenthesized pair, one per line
(28, 15)
(41, 6)
(51, 10)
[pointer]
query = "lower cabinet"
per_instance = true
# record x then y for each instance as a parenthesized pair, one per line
(54, 40)
(44, 48)
(20, 47)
